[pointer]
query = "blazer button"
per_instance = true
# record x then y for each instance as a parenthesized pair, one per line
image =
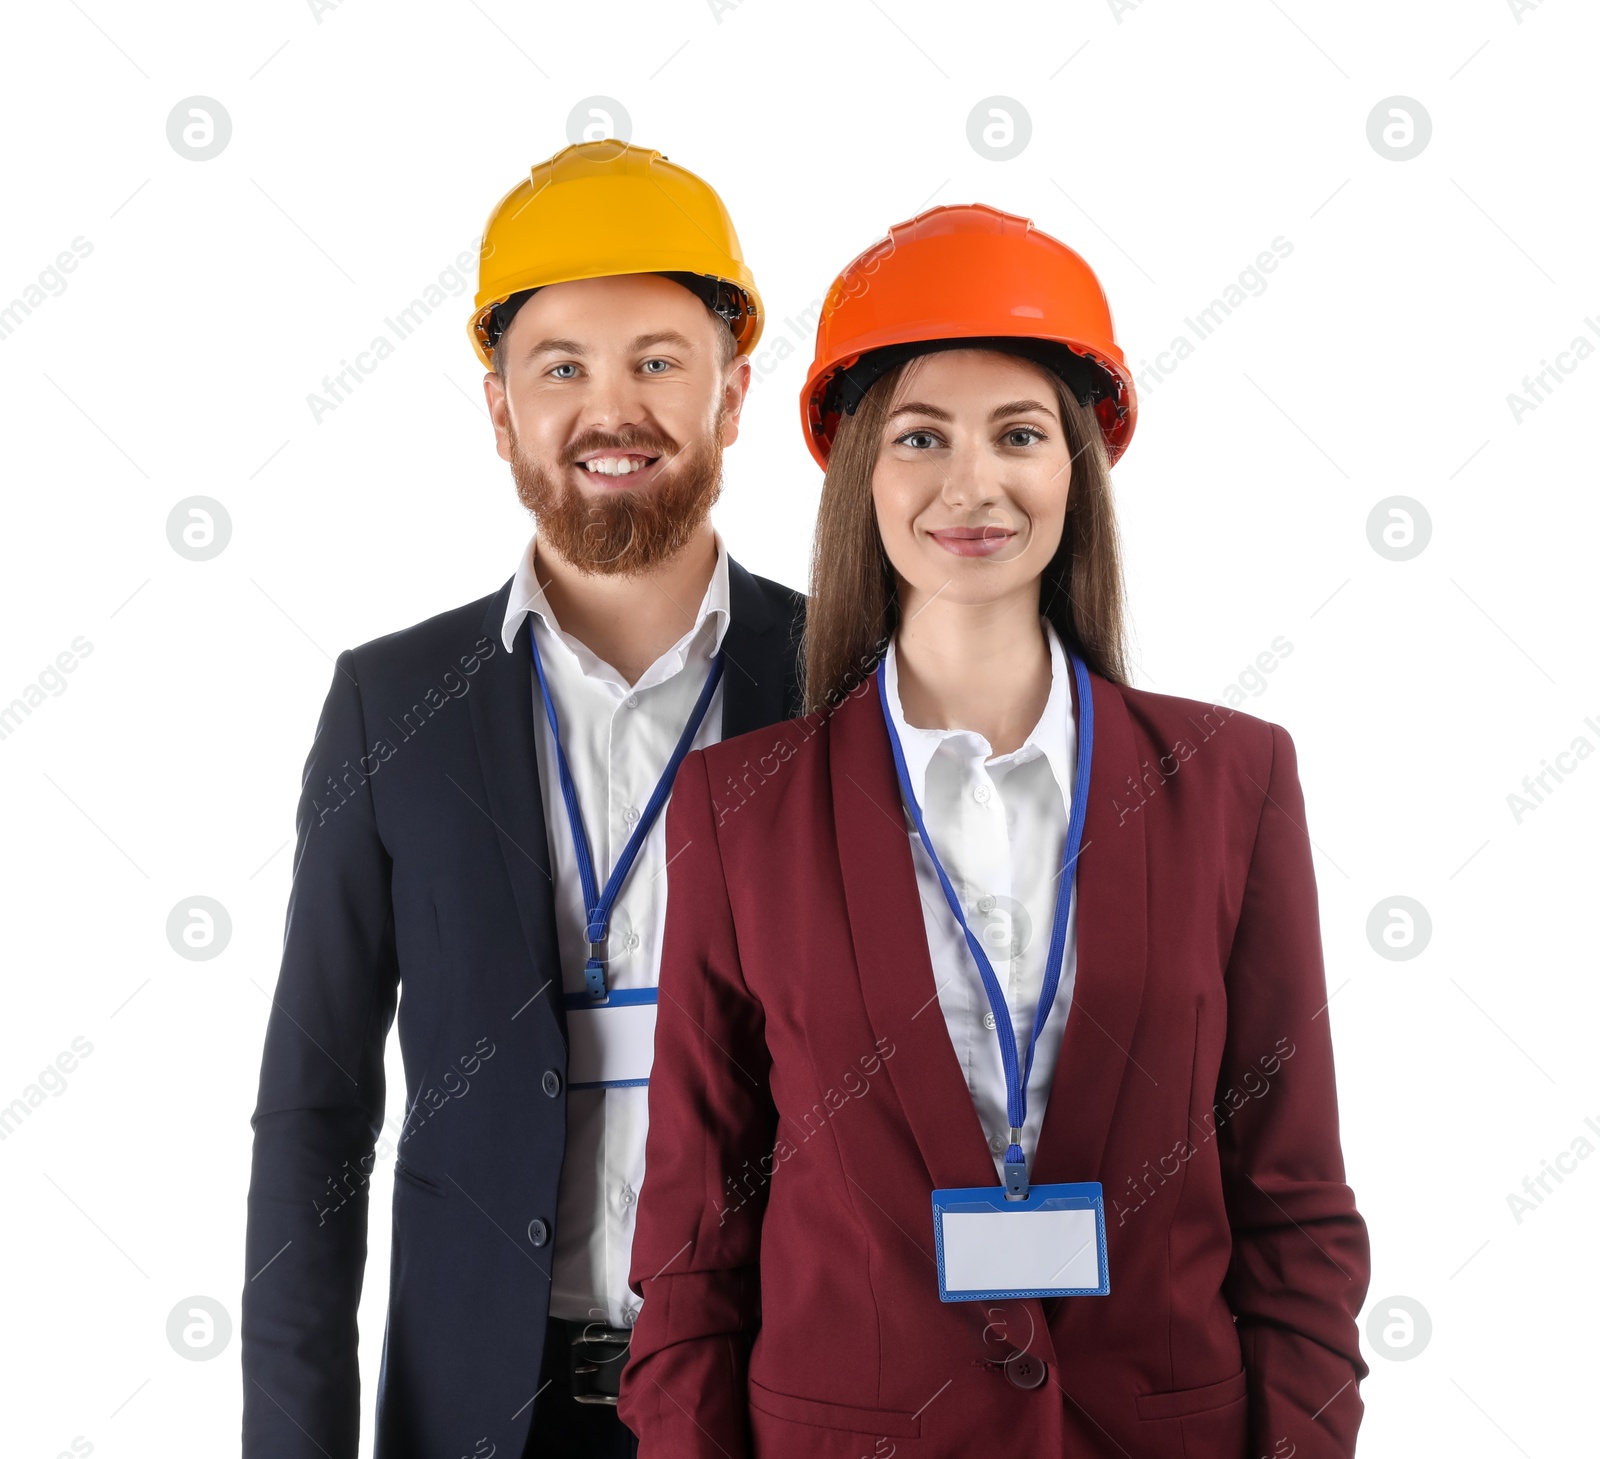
(552, 1083)
(1024, 1370)
(539, 1233)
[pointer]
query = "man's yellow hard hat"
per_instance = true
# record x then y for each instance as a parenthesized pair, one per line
(600, 208)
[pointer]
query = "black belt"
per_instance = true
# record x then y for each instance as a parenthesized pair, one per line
(589, 1357)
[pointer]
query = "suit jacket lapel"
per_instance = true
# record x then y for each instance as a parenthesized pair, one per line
(1112, 941)
(502, 724)
(753, 676)
(891, 945)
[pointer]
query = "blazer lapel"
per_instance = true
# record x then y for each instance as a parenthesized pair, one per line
(1112, 940)
(891, 946)
(502, 725)
(753, 664)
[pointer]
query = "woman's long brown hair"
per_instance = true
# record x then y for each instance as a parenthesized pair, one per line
(854, 608)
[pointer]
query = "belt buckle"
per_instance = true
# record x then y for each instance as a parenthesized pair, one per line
(597, 1354)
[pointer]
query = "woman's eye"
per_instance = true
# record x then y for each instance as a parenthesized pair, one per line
(919, 440)
(1023, 436)
(561, 372)
(656, 367)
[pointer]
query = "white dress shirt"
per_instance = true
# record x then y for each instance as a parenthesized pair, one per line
(999, 824)
(618, 738)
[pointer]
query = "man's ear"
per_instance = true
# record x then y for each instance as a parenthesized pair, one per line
(494, 396)
(735, 387)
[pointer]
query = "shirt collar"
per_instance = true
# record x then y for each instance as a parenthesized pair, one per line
(527, 596)
(1054, 736)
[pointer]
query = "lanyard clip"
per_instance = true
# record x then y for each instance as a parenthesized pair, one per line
(1016, 1168)
(594, 973)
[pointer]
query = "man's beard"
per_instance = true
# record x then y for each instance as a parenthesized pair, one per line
(615, 531)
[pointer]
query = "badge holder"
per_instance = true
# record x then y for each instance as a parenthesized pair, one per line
(1049, 1243)
(611, 1045)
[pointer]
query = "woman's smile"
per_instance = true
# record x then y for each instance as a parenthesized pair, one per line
(973, 541)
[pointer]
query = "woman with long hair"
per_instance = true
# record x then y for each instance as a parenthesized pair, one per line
(993, 1103)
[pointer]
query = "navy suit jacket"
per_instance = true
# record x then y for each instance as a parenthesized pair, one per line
(421, 866)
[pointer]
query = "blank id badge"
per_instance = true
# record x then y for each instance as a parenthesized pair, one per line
(1052, 1243)
(611, 1045)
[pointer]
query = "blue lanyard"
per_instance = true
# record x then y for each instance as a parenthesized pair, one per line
(597, 904)
(1017, 1072)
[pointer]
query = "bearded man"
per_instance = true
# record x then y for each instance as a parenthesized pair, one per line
(480, 828)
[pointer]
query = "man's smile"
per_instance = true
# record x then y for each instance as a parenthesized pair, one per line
(615, 463)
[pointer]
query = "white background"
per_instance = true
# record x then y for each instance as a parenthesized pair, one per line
(1170, 144)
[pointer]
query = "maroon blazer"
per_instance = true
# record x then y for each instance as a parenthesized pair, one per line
(806, 1100)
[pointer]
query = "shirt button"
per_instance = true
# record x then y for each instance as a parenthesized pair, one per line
(981, 794)
(632, 701)
(630, 942)
(538, 1232)
(627, 1195)
(985, 905)
(631, 814)
(997, 1143)
(988, 1020)
(630, 1315)
(551, 1083)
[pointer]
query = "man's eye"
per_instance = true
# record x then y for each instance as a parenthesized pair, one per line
(560, 371)
(656, 367)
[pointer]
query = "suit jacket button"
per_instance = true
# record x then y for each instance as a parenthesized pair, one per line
(552, 1083)
(1024, 1370)
(539, 1233)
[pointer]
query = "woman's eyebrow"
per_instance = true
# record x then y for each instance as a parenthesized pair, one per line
(1020, 407)
(916, 407)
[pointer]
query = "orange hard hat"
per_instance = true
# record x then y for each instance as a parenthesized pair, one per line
(970, 276)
